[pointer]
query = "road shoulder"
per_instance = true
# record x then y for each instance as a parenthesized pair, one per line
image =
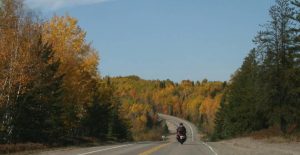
(247, 145)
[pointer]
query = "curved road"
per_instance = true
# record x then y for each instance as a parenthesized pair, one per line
(192, 146)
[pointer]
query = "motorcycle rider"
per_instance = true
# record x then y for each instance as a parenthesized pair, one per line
(181, 130)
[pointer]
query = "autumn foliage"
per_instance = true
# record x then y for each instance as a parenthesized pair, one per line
(51, 89)
(143, 99)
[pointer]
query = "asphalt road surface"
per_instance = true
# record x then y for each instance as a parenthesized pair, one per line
(193, 145)
(168, 147)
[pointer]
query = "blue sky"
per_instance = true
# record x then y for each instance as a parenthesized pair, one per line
(166, 39)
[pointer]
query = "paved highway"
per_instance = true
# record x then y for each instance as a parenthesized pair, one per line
(192, 146)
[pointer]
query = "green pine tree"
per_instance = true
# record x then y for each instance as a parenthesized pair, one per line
(37, 113)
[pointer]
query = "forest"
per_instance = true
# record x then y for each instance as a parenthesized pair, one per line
(143, 99)
(264, 92)
(52, 92)
(51, 89)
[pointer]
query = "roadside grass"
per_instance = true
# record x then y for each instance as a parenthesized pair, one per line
(205, 136)
(150, 135)
(266, 133)
(13, 148)
(271, 135)
(155, 134)
(66, 142)
(274, 135)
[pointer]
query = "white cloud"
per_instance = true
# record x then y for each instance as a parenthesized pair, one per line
(57, 4)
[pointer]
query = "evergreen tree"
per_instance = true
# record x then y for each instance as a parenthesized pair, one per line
(277, 64)
(264, 92)
(37, 112)
(240, 111)
(118, 128)
(295, 59)
(96, 122)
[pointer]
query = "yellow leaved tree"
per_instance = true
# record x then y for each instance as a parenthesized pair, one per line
(79, 63)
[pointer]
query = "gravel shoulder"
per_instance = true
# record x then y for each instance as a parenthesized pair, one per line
(250, 146)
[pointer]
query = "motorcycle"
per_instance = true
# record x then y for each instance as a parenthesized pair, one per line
(181, 138)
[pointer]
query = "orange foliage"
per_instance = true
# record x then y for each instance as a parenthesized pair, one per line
(197, 103)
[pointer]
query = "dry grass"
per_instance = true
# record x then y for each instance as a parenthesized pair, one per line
(12, 148)
(274, 135)
(151, 135)
(267, 133)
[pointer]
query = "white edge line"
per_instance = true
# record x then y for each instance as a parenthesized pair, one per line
(191, 130)
(212, 150)
(185, 122)
(105, 149)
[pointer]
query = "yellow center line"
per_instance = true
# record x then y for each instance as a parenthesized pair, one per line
(154, 149)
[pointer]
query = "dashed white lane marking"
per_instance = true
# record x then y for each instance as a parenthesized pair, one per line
(105, 149)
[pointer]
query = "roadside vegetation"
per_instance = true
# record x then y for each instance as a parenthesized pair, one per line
(52, 93)
(264, 93)
(51, 90)
(195, 101)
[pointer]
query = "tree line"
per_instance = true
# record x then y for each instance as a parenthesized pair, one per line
(51, 90)
(196, 101)
(262, 94)
(265, 91)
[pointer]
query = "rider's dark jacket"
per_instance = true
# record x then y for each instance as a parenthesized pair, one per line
(181, 130)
